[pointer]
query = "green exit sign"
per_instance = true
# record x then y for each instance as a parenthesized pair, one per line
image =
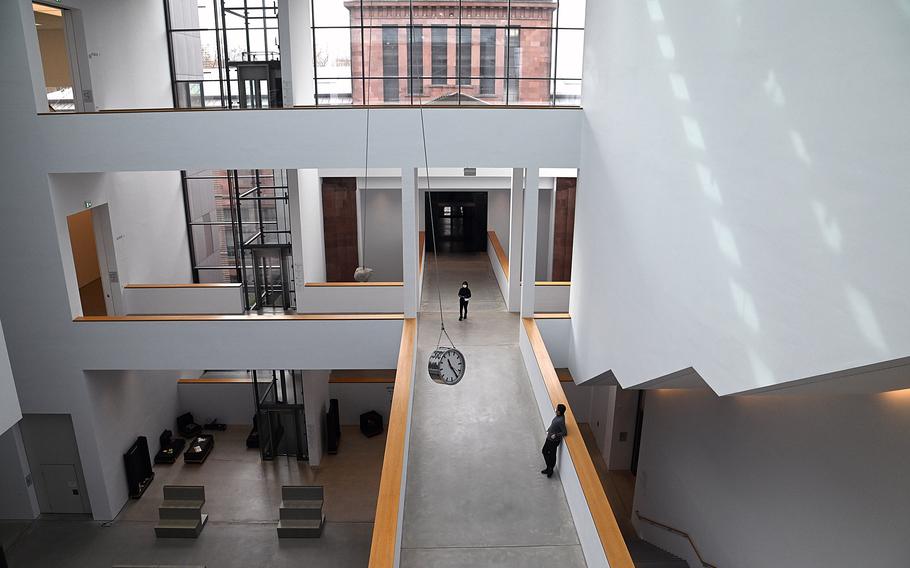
(88, 204)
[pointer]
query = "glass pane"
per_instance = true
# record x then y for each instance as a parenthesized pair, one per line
(533, 15)
(378, 87)
(214, 276)
(213, 245)
(571, 14)
(532, 92)
(441, 50)
(416, 58)
(208, 200)
(186, 14)
(464, 56)
(333, 53)
(568, 92)
(569, 53)
(334, 12)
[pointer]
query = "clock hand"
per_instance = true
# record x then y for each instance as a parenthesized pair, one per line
(449, 363)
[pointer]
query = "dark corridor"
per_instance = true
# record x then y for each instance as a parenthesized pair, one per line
(460, 220)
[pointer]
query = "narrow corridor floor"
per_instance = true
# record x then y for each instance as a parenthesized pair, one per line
(475, 495)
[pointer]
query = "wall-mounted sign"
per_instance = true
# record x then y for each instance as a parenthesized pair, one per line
(88, 204)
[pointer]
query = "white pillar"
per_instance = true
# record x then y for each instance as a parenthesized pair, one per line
(516, 206)
(294, 208)
(295, 40)
(529, 242)
(409, 239)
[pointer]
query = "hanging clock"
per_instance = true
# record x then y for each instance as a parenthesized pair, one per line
(446, 365)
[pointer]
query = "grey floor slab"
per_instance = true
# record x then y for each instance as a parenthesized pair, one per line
(86, 544)
(475, 495)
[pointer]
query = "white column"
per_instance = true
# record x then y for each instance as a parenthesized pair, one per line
(529, 242)
(294, 208)
(409, 239)
(295, 40)
(516, 206)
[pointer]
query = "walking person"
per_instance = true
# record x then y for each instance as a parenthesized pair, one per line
(464, 295)
(555, 433)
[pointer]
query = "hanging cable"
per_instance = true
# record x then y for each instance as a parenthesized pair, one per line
(426, 162)
(363, 271)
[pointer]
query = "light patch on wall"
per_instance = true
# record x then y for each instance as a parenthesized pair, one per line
(708, 184)
(678, 84)
(800, 147)
(828, 226)
(745, 306)
(774, 90)
(760, 371)
(725, 242)
(900, 396)
(693, 132)
(904, 6)
(865, 319)
(666, 46)
(655, 11)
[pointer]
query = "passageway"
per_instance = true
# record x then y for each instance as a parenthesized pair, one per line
(475, 495)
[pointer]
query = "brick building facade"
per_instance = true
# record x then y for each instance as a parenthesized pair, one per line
(487, 55)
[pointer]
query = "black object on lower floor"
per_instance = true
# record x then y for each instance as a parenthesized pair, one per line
(3, 563)
(252, 441)
(186, 426)
(170, 448)
(200, 448)
(333, 427)
(215, 425)
(371, 423)
(139, 474)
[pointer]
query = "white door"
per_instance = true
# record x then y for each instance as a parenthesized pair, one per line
(107, 259)
(61, 486)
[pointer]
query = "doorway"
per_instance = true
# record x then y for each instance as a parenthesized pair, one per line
(85, 257)
(53, 458)
(64, 66)
(459, 219)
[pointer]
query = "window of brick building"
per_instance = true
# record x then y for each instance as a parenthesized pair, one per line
(464, 55)
(390, 63)
(439, 53)
(487, 60)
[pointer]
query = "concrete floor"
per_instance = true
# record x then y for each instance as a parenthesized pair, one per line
(242, 497)
(475, 495)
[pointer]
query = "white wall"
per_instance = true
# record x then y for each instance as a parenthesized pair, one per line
(382, 241)
(188, 300)
(356, 398)
(230, 403)
(316, 404)
(17, 495)
(742, 202)
(10, 413)
(362, 299)
(128, 54)
(823, 478)
(498, 215)
(147, 222)
(125, 405)
(311, 228)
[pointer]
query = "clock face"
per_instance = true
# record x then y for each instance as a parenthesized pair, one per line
(447, 366)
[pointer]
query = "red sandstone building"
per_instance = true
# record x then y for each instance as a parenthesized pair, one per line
(486, 55)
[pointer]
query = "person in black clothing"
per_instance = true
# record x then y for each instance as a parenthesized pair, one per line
(464, 294)
(555, 433)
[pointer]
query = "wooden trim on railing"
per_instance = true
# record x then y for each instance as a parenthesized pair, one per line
(551, 283)
(421, 249)
(242, 317)
(351, 284)
(683, 534)
(215, 381)
(552, 316)
(193, 286)
(500, 253)
(315, 107)
(610, 537)
(565, 376)
(385, 525)
(362, 376)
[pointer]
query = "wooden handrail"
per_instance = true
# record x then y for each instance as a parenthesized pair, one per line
(241, 317)
(421, 249)
(552, 283)
(676, 532)
(351, 284)
(500, 253)
(385, 526)
(607, 529)
(552, 316)
(193, 286)
(565, 376)
(316, 107)
(215, 381)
